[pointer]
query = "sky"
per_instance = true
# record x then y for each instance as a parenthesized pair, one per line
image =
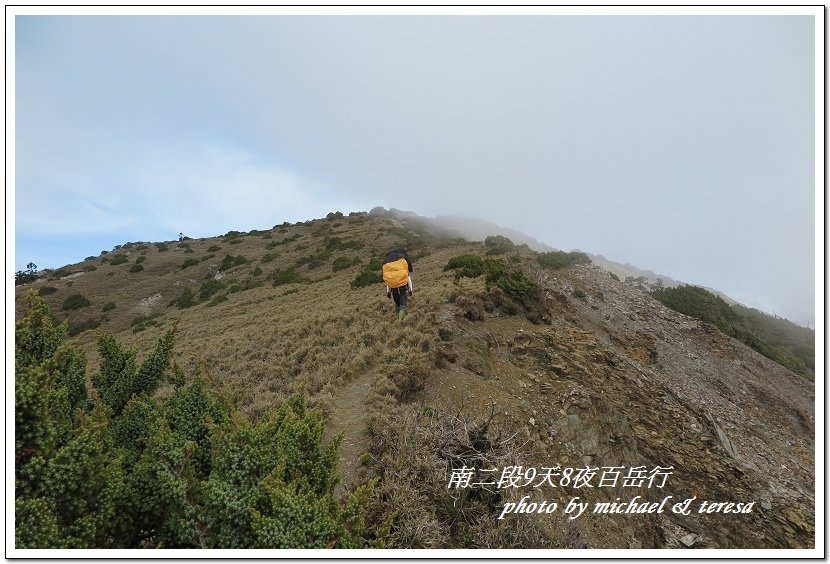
(682, 144)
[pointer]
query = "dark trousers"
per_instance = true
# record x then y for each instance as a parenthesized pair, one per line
(399, 295)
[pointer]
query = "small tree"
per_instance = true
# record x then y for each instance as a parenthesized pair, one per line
(26, 276)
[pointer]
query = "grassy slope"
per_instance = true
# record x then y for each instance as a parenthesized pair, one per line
(344, 347)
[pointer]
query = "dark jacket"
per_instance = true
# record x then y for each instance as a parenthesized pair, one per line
(395, 254)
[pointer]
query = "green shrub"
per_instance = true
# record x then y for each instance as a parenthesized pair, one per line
(371, 274)
(185, 300)
(235, 241)
(161, 247)
(137, 268)
(337, 244)
(561, 259)
(142, 322)
(244, 285)
(207, 257)
(509, 278)
(342, 263)
(318, 260)
(468, 265)
(90, 268)
(498, 244)
(735, 322)
(46, 290)
(75, 301)
(108, 306)
(59, 273)
(185, 471)
(208, 288)
(285, 241)
(189, 262)
(515, 284)
(269, 257)
(85, 325)
(257, 271)
(140, 259)
(230, 261)
(119, 259)
(290, 276)
(214, 248)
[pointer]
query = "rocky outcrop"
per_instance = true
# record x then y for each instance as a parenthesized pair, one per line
(618, 380)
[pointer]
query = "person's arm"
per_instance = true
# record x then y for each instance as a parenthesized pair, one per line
(388, 292)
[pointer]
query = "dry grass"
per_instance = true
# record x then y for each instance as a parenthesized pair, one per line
(416, 448)
(319, 336)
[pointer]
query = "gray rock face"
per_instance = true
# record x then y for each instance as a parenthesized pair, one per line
(629, 382)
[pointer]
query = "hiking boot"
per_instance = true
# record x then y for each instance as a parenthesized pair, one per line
(401, 313)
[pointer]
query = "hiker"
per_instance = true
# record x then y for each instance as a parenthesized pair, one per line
(397, 274)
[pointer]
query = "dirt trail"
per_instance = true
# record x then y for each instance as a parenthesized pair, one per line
(349, 416)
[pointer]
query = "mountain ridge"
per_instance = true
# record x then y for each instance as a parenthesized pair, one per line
(582, 370)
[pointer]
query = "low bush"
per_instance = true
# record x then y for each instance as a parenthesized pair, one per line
(46, 290)
(269, 257)
(561, 259)
(498, 244)
(142, 322)
(75, 301)
(185, 300)
(137, 268)
(230, 261)
(189, 262)
(214, 248)
(371, 274)
(209, 287)
(342, 263)
(59, 273)
(290, 276)
(318, 259)
(79, 327)
(108, 306)
(507, 277)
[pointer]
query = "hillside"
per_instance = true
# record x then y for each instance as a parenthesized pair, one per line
(532, 367)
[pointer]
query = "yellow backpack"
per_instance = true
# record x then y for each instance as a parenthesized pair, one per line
(396, 273)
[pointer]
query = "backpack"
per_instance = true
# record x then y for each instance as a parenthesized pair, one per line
(396, 273)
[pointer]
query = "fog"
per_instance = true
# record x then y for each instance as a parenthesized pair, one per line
(679, 144)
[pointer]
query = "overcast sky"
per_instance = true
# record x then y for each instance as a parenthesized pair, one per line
(680, 144)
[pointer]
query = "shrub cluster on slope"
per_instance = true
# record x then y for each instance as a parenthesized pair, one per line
(510, 280)
(561, 259)
(738, 322)
(120, 468)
